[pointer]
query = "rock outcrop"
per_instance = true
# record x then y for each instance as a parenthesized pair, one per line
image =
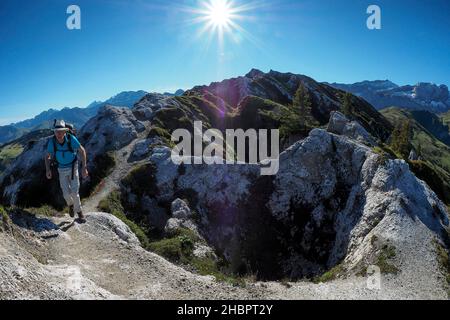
(145, 108)
(21, 183)
(331, 196)
(181, 217)
(111, 129)
(340, 125)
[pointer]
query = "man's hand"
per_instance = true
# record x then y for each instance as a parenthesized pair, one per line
(49, 174)
(84, 172)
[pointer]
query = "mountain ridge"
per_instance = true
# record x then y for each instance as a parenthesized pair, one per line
(384, 93)
(77, 116)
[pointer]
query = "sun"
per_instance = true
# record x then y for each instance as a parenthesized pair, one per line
(224, 19)
(219, 13)
(219, 16)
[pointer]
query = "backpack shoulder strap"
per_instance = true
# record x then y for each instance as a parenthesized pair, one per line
(54, 158)
(54, 144)
(69, 142)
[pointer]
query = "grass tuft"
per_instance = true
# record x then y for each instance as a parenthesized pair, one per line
(46, 211)
(443, 259)
(4, 219)
(330, 275)
(387, 253)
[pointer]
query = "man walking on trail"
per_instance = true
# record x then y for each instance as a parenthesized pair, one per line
(62, 150)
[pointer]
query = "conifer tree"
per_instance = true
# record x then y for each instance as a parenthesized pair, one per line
(303, 106)
(347, 106)
(400, 140)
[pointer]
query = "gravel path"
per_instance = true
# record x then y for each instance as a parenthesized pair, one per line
(102, 259)
(128, 271)
(111, 182)
(93, 261)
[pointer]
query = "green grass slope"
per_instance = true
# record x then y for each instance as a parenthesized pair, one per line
(435, 167)
(445, 117)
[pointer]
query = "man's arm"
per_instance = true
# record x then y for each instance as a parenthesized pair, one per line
(84, 170)
(83, 157)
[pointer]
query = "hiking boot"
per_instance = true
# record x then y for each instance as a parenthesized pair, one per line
(71, 213)
(81, 217)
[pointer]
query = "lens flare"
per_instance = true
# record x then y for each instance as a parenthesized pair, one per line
(220, 25)
(223, 17)
(219, 13)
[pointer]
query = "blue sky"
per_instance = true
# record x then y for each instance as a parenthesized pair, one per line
(150, 45)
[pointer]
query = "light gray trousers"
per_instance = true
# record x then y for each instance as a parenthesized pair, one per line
(70, 188)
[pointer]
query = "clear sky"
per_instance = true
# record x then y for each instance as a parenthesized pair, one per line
(155, 45)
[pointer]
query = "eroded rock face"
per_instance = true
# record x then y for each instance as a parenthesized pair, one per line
(114, 224)
(180, 209)
(431, 92)
(330, 193)
(24, 182)
(340, 125)
(181, 217)
(145, 108)
(111, 129)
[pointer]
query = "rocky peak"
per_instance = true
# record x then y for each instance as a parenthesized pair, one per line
(149, 104)
(382, 94)
(111, 129)
(254, 73)
(340, 125)
(428, 92)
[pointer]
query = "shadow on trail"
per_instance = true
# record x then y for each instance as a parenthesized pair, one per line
(27, 220)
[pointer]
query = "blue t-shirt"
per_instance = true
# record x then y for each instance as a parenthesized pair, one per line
(63, 155)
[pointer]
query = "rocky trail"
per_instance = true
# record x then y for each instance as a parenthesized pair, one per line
(111, 182)
(102, 259)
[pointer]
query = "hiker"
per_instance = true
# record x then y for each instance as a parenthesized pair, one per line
(62, 150)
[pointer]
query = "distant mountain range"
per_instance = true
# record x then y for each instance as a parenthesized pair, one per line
(379, 93)
(177, 93)
(76, 116)
(124, 99)
(384, 93)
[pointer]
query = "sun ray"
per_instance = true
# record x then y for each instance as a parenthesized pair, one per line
(219, 16)
(220, 23)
